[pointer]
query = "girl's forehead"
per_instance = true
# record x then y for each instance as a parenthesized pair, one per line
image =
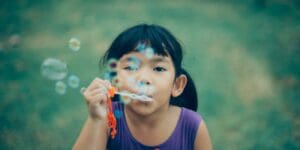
(141, 57)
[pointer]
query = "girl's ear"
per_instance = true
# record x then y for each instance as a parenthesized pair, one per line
(179, 85)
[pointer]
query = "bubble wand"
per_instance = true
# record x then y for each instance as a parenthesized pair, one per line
(112, 122)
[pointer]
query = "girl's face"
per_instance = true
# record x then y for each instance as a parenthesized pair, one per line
(153, 77)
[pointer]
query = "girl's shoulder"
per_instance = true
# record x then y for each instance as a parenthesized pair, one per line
(190, 118)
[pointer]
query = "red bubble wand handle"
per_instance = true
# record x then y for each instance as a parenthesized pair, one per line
(112, 122)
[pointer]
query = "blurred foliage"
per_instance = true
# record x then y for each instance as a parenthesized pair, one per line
(243, 55)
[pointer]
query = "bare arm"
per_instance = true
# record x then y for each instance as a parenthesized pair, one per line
(202, 141)
(93, 136)
(95, 132)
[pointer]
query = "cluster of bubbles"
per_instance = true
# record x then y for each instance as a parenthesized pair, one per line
(134, 63)
(57, 70)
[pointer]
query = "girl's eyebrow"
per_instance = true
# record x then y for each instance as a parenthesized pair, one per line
(128, 59)
(159, 59)
(153, 60)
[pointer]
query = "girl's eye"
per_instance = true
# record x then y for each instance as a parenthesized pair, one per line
(159, 69)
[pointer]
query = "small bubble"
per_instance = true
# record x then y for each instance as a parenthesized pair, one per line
(74, 44)
(73, 81)
(109, 75)
(125, 99)
(14, 40)
(118, 114)
(60, 87)
(140, 46)
(112, 64)
(112, 74)
(134, 63)
(106, 76)
(54, 69)
(148, 52)
(116, 82)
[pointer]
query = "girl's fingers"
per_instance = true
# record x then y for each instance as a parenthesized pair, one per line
(96, 86)
(102, 90)
(97, 106)
(107, 83)
(96, 97)
(97, 82)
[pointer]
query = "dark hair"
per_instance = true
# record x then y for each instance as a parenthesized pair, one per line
(164, 43)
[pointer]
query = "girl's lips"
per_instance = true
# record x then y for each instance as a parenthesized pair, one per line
(137, 93)
(144, 98)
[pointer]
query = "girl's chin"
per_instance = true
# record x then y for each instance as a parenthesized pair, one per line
(142, 108)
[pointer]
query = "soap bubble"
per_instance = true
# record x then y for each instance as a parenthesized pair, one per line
(148, 52)
(118, 114)
(74, 44)
(60, 87)
(125, 99)
(14, 40)
(116, 82)
(140, 46)
(73, 81)
(109, 75)
(54, 69)
(134, 63)
(112, 64)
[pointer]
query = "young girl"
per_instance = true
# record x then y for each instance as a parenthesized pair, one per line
(148, 64)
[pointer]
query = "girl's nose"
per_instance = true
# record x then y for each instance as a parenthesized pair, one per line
(143, 78)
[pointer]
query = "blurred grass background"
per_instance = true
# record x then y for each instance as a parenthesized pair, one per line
(243, 55)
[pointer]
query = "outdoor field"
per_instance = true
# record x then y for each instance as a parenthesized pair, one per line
(244, 57)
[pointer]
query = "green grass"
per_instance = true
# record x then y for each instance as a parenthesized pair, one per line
(243, 56)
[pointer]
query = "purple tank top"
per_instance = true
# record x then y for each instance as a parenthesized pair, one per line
(182, 138)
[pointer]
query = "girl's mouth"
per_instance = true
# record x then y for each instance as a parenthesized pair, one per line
(144, 98)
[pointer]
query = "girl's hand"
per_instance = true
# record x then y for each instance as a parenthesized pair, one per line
(96, 98)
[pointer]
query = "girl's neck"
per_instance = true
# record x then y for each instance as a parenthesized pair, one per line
(147, 121)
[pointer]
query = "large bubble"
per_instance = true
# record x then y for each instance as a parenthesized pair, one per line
(74, 44)
(54, 69)
(60, 87)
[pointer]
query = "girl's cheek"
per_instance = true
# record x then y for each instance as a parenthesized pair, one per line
(124, 85)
